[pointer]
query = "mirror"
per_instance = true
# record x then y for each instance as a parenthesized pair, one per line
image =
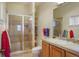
(57, 27)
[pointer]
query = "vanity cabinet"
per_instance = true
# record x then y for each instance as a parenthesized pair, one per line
(45, 49)
(56, 52)
(50, 50)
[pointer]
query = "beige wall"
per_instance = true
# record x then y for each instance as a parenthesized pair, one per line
(19, 8)
(2, 11)
(45, 18)
(65, 11)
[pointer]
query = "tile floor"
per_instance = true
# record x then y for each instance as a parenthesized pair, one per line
(27, 53)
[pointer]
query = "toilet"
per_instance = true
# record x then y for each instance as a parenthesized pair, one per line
(36, 51)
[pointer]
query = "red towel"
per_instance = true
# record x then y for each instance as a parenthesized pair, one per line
(5, 44)
(71, 34)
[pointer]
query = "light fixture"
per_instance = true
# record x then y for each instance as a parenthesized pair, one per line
(60, 2)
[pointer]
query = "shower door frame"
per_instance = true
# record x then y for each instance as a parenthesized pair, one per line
(22, 27)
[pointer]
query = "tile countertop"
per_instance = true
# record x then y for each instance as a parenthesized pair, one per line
(64, 44)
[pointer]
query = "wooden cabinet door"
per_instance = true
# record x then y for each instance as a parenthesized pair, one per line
(56, 52)
(45, 49)
(51, 50)
(68, 54)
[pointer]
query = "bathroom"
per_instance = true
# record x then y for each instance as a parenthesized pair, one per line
(39, 29)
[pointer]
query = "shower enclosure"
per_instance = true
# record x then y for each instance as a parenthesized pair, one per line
(20, 32)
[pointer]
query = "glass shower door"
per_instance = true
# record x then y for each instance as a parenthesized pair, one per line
(27, 33)
(20, 32)
(15, 32)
